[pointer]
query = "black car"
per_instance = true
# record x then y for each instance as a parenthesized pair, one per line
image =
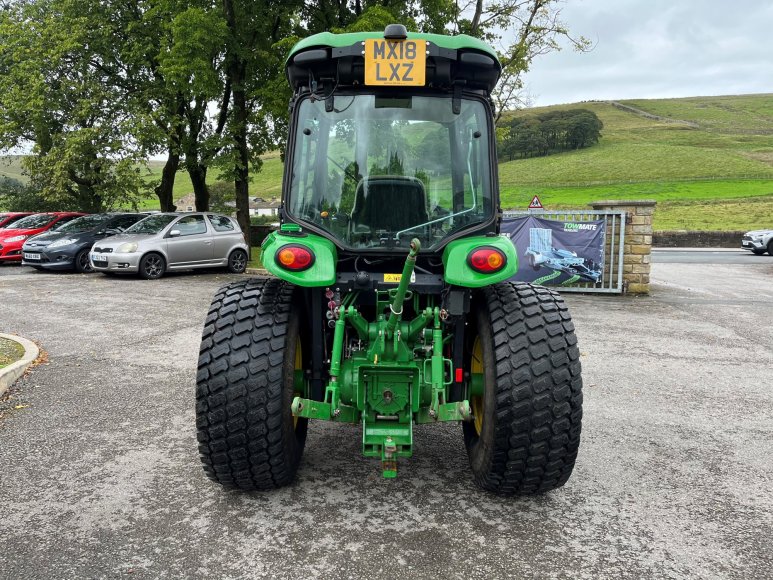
(67, 247)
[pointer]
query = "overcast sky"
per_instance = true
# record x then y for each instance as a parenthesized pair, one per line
(659, 48)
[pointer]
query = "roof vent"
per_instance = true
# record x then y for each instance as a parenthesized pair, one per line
(396, 31)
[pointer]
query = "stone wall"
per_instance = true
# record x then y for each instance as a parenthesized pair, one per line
(258, 233)
(707, 239)
(637, 244)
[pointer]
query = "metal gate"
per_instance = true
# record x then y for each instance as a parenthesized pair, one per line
(611, 281)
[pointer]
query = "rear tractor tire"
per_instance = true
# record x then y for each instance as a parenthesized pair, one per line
(250, 368)
(526, 429)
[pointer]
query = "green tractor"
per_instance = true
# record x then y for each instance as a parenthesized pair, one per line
(391, 302)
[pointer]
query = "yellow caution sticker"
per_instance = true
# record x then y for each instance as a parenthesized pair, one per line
(395, 278)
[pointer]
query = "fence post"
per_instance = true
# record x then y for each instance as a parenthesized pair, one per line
(638, 241)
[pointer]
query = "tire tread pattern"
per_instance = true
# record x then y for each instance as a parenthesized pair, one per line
(538, 390)
(242, 433)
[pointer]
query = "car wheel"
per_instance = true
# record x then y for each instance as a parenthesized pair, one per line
(758, 252)
(237, 262)
(82, 263)
(770, 247)
(152, 266)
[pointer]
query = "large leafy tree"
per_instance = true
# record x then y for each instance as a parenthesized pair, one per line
(54, 97)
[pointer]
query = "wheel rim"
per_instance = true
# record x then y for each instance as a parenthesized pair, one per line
(83, 259)
(476, 401)
(238, 261)
(153, 266)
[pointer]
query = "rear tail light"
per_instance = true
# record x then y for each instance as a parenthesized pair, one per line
(295, 258)
(486, 260)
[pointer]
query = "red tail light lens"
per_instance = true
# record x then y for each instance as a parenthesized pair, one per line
(295, 258)
(486, 260)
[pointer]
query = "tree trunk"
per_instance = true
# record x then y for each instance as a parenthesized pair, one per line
(236, 71)
(164, 190)
(243, 167)
(198, 175)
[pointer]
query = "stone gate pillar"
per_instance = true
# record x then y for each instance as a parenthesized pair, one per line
(638, 241)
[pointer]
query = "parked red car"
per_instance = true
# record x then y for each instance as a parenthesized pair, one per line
(12, 239)
(9, 217)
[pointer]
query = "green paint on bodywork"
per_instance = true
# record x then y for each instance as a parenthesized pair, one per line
(459, 273)
(328, 39)
(321, 273)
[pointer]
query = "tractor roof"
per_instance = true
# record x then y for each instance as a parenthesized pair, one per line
(451, 61)
(457, 42)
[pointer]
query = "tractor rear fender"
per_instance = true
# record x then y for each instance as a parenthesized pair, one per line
(320, 272)
(458, 270)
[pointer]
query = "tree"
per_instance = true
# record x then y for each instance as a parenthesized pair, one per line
(54, 97)
(550, 131)
(521, 30)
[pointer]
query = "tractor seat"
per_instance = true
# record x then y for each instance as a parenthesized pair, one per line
(389, 202)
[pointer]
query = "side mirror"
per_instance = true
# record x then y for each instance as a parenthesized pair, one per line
(174, 233)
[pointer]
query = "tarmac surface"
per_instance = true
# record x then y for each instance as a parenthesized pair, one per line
(100, 477)
(708, 256)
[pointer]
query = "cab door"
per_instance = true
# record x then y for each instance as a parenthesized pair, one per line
(189, 242)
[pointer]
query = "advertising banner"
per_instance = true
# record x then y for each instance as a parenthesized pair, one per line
(556, 253)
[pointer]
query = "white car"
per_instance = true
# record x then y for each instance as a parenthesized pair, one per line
(758, 241)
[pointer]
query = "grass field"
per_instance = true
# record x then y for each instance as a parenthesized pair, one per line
(707, 161)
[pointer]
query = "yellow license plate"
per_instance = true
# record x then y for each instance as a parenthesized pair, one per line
(395, 62)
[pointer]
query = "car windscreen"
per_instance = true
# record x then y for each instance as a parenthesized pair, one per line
(37, 220)
(151, 225)
(9, 221)
(83, 224)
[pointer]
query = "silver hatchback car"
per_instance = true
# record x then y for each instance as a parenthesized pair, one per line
(173, 241)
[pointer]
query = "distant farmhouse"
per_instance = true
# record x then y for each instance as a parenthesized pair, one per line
(258, 205)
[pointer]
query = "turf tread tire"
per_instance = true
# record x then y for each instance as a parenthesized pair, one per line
(533, 391)
(244, 389)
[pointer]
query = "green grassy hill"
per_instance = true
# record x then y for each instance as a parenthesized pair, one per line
(708, 161)
(10, 166)
(704, 159)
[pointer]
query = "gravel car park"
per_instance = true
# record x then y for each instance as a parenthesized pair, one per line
(101, 477)
(173, 241)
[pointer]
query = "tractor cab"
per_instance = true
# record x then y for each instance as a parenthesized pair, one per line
(391, 139)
